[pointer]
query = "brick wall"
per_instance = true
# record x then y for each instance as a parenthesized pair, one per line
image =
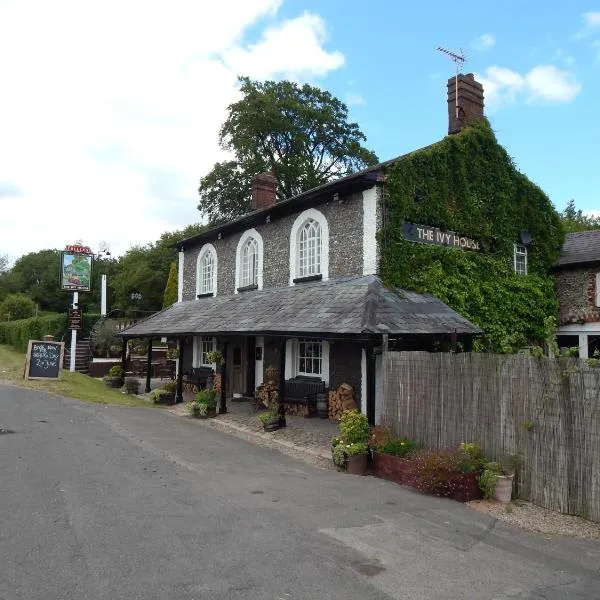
(576, 293)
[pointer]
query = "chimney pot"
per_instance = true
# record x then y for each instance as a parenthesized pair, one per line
(264, 190)
(470, 101)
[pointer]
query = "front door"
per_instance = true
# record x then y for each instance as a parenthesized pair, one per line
(236, 363)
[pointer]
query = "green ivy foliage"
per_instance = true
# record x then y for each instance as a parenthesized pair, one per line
(468, 184)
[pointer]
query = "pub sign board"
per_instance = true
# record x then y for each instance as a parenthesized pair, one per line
(75, 320)
(44, 359)
(432, 235)
(75, 271)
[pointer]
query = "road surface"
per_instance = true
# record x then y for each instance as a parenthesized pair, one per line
(108, 503)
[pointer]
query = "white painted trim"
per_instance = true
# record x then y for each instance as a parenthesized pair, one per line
(580, 328)
(259, 370)
(195, 345)
(363, 381)
(199, 258)
(583, 345)
(291, 359)
(250, 233)
(370, 231)
(598, 288)
(311, 213)
(180, 276)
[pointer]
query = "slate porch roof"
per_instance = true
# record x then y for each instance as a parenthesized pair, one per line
(579, 248)
(353, 306)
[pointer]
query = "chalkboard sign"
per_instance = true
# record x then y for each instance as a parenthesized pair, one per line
(44, 360)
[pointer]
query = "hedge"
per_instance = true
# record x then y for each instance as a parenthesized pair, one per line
(18, 333)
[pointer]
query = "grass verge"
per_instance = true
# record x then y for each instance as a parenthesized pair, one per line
(71, 385)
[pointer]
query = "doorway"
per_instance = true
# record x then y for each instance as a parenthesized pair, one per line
(236, 366)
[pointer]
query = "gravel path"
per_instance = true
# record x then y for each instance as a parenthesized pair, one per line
(541, 520)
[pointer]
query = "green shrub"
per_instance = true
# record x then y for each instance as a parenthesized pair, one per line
(16, 306)
(116, 371)
(354, 427)
(208, 397)
(397, 447)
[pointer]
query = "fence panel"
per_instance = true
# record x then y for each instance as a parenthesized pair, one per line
(544, 411)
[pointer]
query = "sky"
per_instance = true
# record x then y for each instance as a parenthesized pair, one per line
(109, 111)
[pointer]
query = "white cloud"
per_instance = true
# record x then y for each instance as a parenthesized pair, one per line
(110, 114)
(591, 19)
(484, 42)
(543, 83)
(547, 83)
(354, 99)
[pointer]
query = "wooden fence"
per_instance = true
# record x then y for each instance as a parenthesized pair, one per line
(544, 411)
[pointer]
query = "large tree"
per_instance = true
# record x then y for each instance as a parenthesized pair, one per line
(300, 133)
(574, 219)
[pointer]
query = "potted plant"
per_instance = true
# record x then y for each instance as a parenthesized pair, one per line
(496, 482)
(349, 451)
(204, 405)
(269, 419)
(165, 394)
(132, 385)
(115, 376)
(214, 358)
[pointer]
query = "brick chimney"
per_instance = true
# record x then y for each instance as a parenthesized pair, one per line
(264, 190)
(470, 101)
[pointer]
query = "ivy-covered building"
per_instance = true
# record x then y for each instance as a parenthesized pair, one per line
(444, 247)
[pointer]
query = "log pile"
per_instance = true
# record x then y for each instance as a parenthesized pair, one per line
(340, 401)
(265, 393)
(217, 383)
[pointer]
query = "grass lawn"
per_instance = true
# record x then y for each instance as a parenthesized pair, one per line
(72, 385)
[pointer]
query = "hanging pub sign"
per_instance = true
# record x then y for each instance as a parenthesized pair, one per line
(76, 268)
(432, 235)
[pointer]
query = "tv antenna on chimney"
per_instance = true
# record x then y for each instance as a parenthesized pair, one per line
(459, 60)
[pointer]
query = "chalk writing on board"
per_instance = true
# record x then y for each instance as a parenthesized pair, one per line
(45, 356)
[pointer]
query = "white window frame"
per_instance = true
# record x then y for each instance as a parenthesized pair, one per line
(202, 345)
(297, 228)
(521, 251)
(199, 264)
(292, 359)
(246, 236)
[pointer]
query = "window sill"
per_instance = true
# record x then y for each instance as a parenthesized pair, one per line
(248, 288)
(207, 295)
(308, 278)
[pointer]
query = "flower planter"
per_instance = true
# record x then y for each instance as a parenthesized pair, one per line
(357, 465)
(503, 489)
(113, 382)
(392, 468)
(212, 412)
(465, 487)
(271, 425)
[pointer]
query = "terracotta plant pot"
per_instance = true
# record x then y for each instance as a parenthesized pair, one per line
(357, 465)
(503, 489)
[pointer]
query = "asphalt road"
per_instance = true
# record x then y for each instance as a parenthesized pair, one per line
(109, 503)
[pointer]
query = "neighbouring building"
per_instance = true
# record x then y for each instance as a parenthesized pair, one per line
(317, 285)
(578, 292)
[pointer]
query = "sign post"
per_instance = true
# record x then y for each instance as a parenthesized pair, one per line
(76, 276)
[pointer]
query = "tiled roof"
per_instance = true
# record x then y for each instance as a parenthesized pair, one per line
(349, 306)
(581, 247)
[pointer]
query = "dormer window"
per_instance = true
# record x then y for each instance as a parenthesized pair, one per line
(206, 275)
(520, 259)
(249, 258)
(309, 247)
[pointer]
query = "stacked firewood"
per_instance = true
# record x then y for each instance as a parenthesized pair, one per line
(340, 401)
(266, 393)
(217, 383)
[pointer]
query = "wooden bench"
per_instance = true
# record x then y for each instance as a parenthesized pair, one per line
(196, 380)
(302, 390)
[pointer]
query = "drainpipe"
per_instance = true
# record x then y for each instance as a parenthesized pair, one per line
(179, 396)
(223, 403)
(149, 368)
